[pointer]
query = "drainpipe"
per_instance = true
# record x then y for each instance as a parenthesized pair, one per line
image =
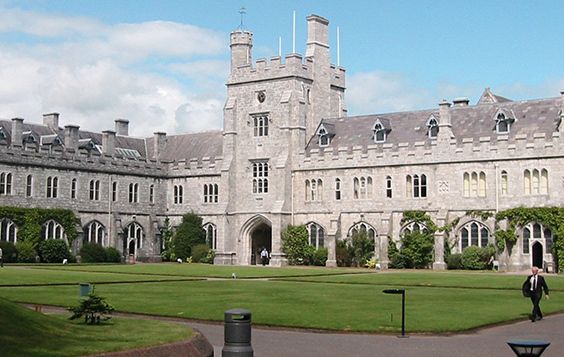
(496, 188)
(109, 209)
(292, 198)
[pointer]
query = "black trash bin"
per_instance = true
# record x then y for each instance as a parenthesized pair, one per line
(237, 334)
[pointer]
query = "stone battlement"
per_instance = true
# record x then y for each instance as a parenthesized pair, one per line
(293, 66)
(458, 150)
(80, 160)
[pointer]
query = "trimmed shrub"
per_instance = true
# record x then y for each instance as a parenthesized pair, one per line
(113, 255)
(361, 248)
(454, 261)
(200, 253)
(188, 234)
(476, 258)
(53, 251)
(9, 252)
(320, 257)
(92, 253)
(208, 259)
(296, 246)
(416, 251)
(26, 252)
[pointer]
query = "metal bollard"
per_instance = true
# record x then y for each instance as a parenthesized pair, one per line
(237, 334)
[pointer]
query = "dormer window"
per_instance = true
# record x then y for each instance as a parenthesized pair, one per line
(324, 139)
(503, 123)
(380, 131)
(432, 127)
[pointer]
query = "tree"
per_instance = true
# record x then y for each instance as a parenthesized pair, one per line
(296, 246)
(361, 248)
(187, 235)
(166, 235)
(93, 309)
(416, 251)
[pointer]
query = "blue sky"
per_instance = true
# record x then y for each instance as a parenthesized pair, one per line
(163, 64)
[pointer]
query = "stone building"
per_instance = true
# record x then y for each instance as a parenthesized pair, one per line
(288, 154)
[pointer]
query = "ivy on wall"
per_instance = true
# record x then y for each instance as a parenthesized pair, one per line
(549, 217)
(30, 220)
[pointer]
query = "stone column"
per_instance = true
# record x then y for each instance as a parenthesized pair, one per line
(383, 248)
(331, 251)
(439, 263)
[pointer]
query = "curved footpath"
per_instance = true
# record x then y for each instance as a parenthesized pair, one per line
(491, 341)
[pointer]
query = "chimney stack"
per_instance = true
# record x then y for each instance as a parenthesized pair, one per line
(317, 36)
(109, 142)
(461, 102)
(51, 120)
(159, 144)
(17, 131)
(71, 137)
(444, 113)
(122, 127)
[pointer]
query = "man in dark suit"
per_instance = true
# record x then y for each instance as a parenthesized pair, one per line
(535, 285)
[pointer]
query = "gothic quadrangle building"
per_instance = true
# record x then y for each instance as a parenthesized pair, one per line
(288, 154)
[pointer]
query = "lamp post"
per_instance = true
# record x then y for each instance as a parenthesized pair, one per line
(402, 292)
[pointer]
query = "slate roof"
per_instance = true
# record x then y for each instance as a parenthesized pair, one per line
(190, 146)
(531, 117)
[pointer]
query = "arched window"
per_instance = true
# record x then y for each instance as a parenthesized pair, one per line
(535, 182)
(5, 183)
(536, 231)
(210, 232)
(179, 194)
(134, 232)
(8, 231)
(527, 182)
(114, 191)
(316, 235)
(466, 184)
(52, 187)
(337, 189)
(474, 184)
(362, 187)
(473, 234)
(544, 182)
(52, 230)
(29, 186)
(504, 183)
(94, 190)
(416, 186)
(389, 186)
(362, 227)
(74, 187)
(94, 232)
(413, 227)
(379, 133)
(133, 193)
(152, 193)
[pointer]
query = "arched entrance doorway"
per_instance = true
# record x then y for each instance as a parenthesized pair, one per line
(538, 255)
(261, 237)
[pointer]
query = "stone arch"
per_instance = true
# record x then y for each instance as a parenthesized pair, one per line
(256, 233)
(94, 232)
(133, 239)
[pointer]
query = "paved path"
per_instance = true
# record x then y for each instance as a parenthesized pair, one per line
(485, 342)
(488, 342)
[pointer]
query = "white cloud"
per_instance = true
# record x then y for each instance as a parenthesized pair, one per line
(381, 92)
(90, 73)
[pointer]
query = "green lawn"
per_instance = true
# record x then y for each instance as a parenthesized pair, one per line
(203, 270)
(436, 301)
(25, 332)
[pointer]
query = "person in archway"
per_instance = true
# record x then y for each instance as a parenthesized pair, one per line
(534, 286)
(264, 256)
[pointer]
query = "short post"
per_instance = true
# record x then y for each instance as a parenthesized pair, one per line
(402, 292)
(237, 334)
